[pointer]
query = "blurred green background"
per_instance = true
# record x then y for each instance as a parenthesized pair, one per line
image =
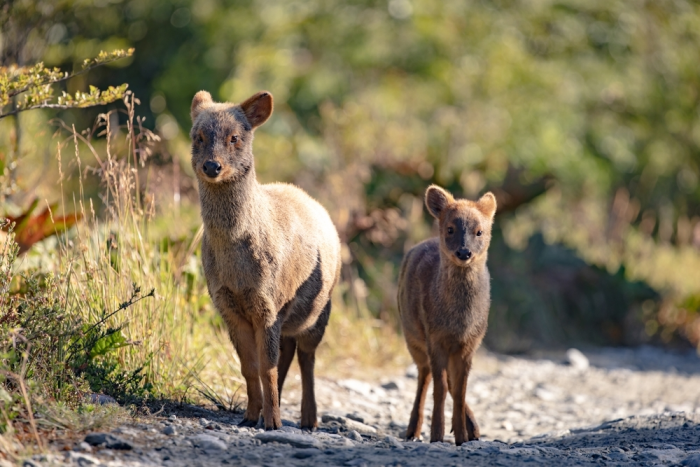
(583, 117)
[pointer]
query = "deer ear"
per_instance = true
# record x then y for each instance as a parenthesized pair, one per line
(201, 101)
(487, 205)
(258, 108)
(436, 200)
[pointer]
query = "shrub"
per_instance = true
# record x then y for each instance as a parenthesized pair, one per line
(49, 354)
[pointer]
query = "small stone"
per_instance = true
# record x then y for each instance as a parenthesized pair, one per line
(305, 453)
(172, 417)
(692, 461)
(347, 442)
(360, 427)
(506, 425)
(577, 359)
(169, 430)
(550, 451)
(289, 429)
(356, 417)
(125, 430)
(621, 457)
(102, 399)
(204, 422)
(545, 394)
(521, 452)
(472, 445)
(412, 372)
(359, 387)
(391, 386)
(350, 424)
(83, 446)
(418, 448)
(107, 440)
(296, 440)
(439, 446)
(82, 460)
(393, 442)
(358, 461)
(208, 442)
(355, 436)
(666, 456)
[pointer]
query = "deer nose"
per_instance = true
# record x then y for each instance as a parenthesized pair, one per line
(463, 254)
(211, 169)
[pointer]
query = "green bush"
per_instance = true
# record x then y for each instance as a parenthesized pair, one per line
(60, 356)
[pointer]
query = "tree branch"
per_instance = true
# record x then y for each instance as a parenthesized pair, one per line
(68, 76)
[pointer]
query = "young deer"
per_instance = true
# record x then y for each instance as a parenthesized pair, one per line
(444, 298)
(271, 256)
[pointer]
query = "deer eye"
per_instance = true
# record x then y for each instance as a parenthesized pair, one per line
(234, 139)
(450, 230)
(478, 234)
(200, 139)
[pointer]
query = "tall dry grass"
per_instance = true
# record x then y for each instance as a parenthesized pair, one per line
(112, 251)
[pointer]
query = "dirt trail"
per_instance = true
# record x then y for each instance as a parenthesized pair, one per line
(611, 407)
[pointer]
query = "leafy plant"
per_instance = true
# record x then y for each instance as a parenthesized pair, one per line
(92, 356)
(54, 354)
(35, 85)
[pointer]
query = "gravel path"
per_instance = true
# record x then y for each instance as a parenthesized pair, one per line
(609, 407)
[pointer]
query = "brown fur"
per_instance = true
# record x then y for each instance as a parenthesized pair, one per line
(444, 305)
(271, 257)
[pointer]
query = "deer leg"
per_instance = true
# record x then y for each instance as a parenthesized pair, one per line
(306, 352)
(268, 340)
(287, 348)
(243, 338)
(438, 366)
(421, 359)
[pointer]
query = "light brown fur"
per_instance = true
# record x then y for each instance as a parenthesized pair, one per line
(271, 256)
(444, 304)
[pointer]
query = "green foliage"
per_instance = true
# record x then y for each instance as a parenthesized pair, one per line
(581, 115)
(546, 294)
(60, 355)
(109, 343)
(34, 83)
